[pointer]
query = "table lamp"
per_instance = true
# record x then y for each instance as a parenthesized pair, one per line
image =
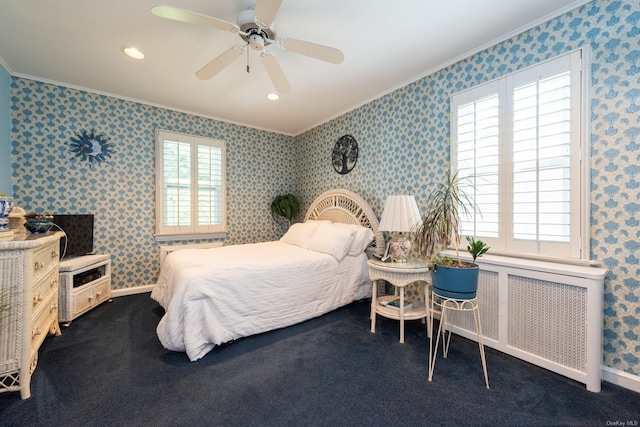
(400, 217)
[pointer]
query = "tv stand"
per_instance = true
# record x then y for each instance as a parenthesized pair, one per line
(85, 282)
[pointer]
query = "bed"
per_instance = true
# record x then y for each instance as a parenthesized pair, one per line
(216, 295)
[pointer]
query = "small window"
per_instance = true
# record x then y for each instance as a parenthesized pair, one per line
(190, 189)
(517, 145)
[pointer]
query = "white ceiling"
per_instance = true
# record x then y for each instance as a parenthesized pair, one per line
(386, 43)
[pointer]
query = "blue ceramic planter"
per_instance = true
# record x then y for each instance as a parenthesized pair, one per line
(453, 282)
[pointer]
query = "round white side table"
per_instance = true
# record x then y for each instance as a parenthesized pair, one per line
(399, 275)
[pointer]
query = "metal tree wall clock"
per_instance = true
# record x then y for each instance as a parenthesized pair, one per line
(345, 154)
(91, 147)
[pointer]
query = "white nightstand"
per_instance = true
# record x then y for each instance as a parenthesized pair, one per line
(399, 275)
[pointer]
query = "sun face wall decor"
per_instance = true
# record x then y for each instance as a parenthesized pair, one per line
(91, 147)
(344, 155)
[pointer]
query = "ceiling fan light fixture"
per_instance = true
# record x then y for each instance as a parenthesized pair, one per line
(250, 28)
(256, 42)
(245, 17)
(273, 96)
(133, 52)
(255, 28)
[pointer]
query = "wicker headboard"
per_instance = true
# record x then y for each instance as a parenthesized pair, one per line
(347, 207)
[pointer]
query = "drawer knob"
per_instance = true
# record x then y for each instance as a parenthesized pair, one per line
(54, 282)
(54, 254)
(39, 265)
(54, 307)
(35, 333)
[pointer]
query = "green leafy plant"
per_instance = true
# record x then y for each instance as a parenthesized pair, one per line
(476, 248)
(286, 206)
(445, 260)
(440, 227)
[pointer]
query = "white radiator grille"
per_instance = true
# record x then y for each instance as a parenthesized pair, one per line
(547, 314)
(549, 320)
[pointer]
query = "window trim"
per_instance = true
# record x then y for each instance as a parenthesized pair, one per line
(583, 58)
(193, 231)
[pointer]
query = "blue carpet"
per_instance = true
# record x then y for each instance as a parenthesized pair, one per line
(109, 369)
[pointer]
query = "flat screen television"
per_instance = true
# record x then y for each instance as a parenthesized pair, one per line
(79, 231)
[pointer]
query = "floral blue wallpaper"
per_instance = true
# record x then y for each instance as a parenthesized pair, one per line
(404, 145)
(120, 192)
(403, 140)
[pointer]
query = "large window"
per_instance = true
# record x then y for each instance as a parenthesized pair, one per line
(518, 145)
(190, 189)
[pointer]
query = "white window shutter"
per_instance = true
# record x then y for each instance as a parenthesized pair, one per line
(477, 159)
(190, 185)
(516, 146)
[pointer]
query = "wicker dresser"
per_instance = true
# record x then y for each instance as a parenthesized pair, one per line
(29, 292)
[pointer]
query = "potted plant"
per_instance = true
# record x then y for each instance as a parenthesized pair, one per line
(285, 206)
(440, 228)
(476, 248)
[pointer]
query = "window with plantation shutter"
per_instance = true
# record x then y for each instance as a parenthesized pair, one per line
(477, 132)
(517, 148)
(190, 186)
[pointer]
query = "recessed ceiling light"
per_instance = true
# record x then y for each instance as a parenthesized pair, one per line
(273, 97)
(133, 52)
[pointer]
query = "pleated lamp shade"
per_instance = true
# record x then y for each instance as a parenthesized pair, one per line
(400, 217)
(400, 214)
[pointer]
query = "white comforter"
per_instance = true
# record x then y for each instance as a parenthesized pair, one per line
(212, 296)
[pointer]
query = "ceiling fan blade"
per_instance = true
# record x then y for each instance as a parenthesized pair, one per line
(266, 11)
(182, 15)
(318, 51)
(219, 63)
(275, 72)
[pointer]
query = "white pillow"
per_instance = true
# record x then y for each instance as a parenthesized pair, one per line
(362, 238)
(301, 233)
(332, 240)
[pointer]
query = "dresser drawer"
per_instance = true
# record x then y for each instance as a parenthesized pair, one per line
(43, 289)
(44, 258)
(88, 297)
(43, 319)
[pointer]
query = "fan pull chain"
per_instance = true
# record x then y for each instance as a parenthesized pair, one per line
(248, 58)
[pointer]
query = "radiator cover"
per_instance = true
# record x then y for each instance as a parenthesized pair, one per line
(547, 314)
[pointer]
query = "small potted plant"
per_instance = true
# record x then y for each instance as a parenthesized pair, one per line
(476, 248)
(285, 206)
(440, 228)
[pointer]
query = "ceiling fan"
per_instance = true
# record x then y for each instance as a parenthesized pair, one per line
(255, 27)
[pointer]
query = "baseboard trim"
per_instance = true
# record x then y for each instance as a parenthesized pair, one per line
(131, 291)
(621, 378)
